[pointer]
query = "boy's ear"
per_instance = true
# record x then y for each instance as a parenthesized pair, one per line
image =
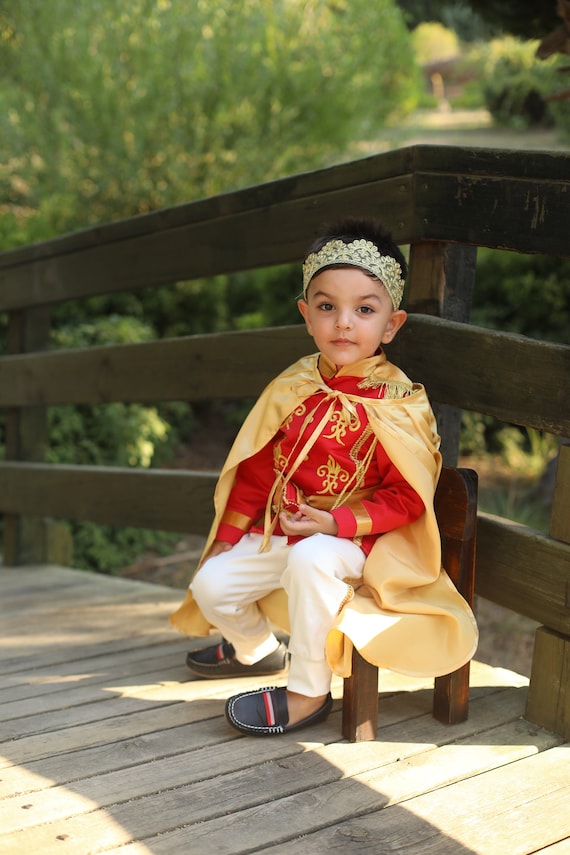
(303, 307)
(396, 322)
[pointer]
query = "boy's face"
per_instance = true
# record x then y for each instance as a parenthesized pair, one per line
(349, 314)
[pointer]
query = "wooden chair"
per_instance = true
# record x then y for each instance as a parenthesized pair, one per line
(456, 512)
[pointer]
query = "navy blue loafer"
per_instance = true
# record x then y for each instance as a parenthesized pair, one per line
(264, 712)
(219, 660)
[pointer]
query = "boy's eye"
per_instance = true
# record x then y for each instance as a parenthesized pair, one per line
(366, 310)
(325, 307)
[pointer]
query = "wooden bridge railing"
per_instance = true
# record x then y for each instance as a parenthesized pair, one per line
(443, 202)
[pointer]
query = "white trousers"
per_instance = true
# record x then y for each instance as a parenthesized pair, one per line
(315, 572)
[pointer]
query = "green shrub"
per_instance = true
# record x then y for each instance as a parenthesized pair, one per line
(432, 42)
(529, 295)
(515, 83)
(107, 548)
(526, 294)
(114, 434)
(560, 108)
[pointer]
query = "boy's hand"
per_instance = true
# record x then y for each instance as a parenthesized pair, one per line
(217, 547)
(307, 521)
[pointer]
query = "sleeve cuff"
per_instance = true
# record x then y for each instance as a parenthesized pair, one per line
(352, 520)
(233, 526)
(229, 533)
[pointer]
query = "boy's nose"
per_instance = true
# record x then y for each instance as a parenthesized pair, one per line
(344, 321)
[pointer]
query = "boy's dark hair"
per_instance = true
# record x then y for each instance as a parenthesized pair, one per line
(355, 228)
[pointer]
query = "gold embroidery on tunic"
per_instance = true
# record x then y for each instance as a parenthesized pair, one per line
(299, 411)
(340, 423)
(279, 459)
(355, 450)
(333, 475)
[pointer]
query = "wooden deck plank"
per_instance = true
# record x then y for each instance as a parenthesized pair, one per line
(560, 848)
(50, 679)
(504, 810)
(401, 739)
(377, 816)
(116, 748)
(345, 780)
(183, 769)
(206, 736)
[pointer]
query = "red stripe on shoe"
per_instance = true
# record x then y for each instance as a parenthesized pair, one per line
(269, 711)
(220, 651)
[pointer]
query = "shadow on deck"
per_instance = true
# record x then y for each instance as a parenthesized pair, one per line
(109, 745)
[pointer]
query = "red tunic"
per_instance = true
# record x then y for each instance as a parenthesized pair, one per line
(344, 468)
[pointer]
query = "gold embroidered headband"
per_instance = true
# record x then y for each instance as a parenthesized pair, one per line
(359, 253)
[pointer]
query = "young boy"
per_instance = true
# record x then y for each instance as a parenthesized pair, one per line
(324, 509)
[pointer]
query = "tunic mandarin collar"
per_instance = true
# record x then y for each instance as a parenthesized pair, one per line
(362, 368)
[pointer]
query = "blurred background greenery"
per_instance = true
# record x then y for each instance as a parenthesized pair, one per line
(113, 108)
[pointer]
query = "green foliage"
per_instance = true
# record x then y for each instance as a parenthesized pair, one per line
(113, 434)
(474, 437)
(558, 108)
(461, 17)
(514, 504)
(525, 454)
(477, 19)
(119, 107)
(469, 97)
(107, 435)
(524, 18)
(527, 451)
(527, 294)
(516, 83)
(107, 549)
(434, 43)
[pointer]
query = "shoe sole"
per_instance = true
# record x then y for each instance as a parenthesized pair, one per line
(219, 672)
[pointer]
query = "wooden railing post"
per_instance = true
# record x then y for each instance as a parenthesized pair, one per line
(548, 701)
(440, 282)
(26, 436)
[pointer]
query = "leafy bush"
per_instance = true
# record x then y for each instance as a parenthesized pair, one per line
(113, 434)
(527, 294)
(559, 108)
(107, 548)
(516, 83)
(434, 43)
(130, 105)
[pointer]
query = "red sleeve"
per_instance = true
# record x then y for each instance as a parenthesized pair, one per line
(248, 496)
(395, 503)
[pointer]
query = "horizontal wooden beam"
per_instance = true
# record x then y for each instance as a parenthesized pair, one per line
(165, 500)
(222, 365)
(517, 567)
(511, 377)
(512, 200)
(293, 188)
(521, 214)
(524, 570)
(271, 232)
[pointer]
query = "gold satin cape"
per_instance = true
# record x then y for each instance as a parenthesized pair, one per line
(407, 615)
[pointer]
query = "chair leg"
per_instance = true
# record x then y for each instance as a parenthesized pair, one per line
(451, 696)
(360, 701)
